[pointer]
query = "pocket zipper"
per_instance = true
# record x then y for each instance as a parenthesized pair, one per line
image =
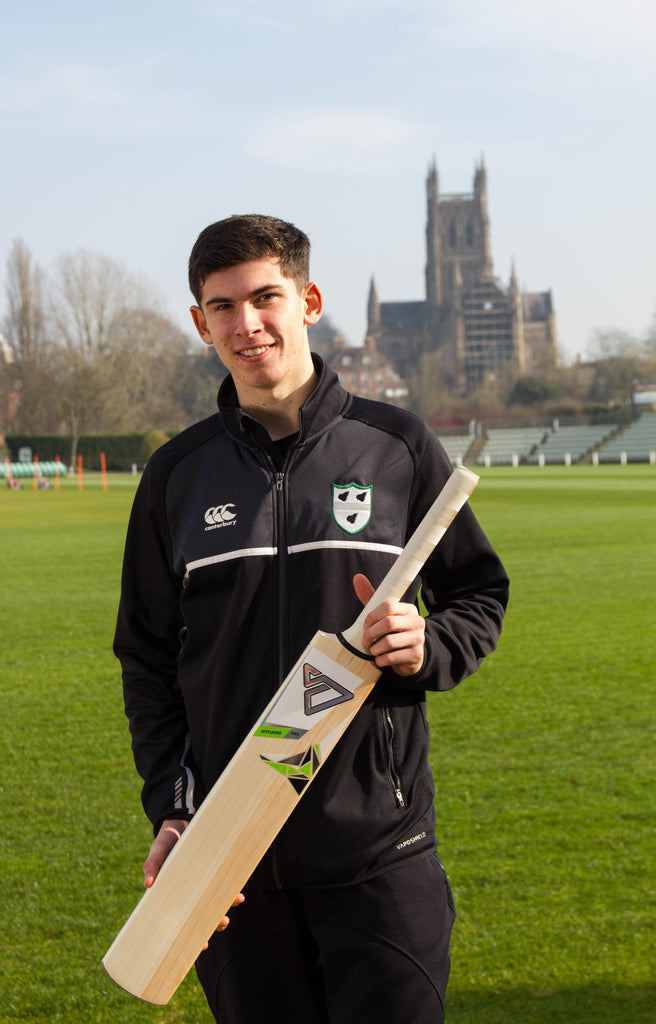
(392, 771)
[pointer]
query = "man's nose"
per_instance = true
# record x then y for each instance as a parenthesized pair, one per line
(248, 319)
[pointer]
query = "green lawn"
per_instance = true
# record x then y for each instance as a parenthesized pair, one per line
(544, 762)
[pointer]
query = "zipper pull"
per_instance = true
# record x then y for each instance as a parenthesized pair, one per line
(280, 477)
(399, 797)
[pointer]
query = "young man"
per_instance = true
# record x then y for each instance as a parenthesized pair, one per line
(236, 554)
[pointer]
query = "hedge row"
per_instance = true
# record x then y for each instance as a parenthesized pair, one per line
(122, 451)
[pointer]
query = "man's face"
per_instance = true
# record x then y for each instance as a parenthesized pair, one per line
(256, 319)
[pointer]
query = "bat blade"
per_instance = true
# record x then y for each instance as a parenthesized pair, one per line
(261, 786)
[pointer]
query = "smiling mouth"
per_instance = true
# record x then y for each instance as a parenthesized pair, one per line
(250, 353)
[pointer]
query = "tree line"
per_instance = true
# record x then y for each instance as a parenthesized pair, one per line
(88, 349)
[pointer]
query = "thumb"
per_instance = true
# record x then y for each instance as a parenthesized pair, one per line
(363, 588)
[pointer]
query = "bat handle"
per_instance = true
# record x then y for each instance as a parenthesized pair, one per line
(408, 565)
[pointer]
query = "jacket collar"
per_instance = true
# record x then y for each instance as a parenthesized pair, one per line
(326, 402)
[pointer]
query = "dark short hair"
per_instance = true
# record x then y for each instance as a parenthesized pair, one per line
(245, 237)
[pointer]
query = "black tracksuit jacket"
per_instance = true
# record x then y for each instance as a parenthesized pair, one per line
(234, 558)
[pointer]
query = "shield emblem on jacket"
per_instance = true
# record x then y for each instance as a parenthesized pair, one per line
(352, 506)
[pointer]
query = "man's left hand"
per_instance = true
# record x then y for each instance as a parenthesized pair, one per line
(394, 632)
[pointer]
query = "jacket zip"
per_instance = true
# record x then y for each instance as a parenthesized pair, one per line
(281, 572)
(392, 770)
(282, 645)
(281, 524)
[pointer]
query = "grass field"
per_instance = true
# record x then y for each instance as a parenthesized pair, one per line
(544, 762)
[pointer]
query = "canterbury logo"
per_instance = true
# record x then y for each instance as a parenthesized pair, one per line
(220, 515)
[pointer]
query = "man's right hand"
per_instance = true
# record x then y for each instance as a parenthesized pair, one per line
(167, 837)
(162, 845)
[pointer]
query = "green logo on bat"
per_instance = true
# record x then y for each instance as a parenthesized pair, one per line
(299, 768)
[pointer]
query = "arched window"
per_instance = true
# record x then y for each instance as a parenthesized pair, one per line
(452, 234)
(469, 234)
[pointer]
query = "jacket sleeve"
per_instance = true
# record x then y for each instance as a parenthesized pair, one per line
(464, 585)
(147, 643)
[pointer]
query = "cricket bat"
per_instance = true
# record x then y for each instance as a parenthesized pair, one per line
(268, 775)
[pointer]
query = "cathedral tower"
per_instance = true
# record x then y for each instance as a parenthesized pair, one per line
(480, 328)
(463, 236)
(433, 262)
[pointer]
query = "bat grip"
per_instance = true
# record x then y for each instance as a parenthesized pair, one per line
(408, 565)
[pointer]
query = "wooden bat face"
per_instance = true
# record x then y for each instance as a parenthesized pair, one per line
(239, 819)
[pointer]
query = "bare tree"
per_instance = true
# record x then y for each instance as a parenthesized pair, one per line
(26, 363)
(618, 360)
(197, 378)
(105, 359)
(95, 360)
(91, 291)
(649, 348)
(153, 353)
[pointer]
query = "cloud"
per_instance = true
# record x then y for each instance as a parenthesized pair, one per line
(334, 140)
(288, 11)
(72, 85)
(282, 17)
(576, 27)
(566, 26)
(112, 100)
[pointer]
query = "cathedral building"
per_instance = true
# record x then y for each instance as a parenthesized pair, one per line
(479, 327)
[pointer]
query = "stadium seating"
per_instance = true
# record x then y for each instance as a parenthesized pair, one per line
(564, 444)
(635, 444)
(503, 447)
(456, 446)
(570, 443)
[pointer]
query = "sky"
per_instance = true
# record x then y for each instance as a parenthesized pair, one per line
(126, 128)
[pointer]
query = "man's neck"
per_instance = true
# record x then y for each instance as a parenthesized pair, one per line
(278, 415)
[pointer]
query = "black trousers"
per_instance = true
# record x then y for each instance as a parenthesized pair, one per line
(362, 954)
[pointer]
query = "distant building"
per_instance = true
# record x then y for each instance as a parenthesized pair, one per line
(365, 372)
(478, 326)
(644, 395)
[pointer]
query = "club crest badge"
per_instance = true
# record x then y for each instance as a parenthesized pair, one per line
(352, 506)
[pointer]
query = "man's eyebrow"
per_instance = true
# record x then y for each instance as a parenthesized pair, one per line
(218, 300)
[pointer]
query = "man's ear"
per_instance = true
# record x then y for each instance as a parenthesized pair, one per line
(200, 324)
(313, 300)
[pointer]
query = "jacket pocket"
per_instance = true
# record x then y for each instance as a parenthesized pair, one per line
(391, 768)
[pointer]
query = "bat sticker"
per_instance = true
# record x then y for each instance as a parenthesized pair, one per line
(299, 769)
(317, 685)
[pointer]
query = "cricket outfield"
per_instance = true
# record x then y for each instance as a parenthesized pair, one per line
(544, 762)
